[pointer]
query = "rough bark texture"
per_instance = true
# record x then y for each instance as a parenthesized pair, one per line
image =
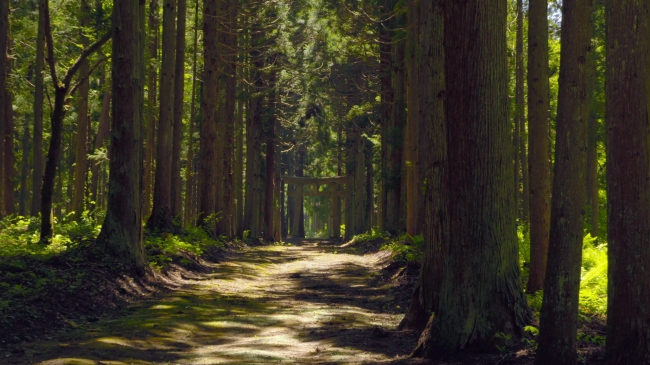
(433, 164)
(154, 24)
(397, 163)
(179, 100)
(628, 190)
(239, 169)
(189, 172)
(207, 152)
(269, 181)
(481, 293)
(121, 234)
(520, 118)
(254, 141)
(81, 152)
(538, 142)
(161, 214)
(37, 148)
(413, 180)
(230, 108)
(557, 338)
(391, 138)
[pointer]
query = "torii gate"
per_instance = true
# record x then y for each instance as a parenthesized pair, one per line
(336, 190)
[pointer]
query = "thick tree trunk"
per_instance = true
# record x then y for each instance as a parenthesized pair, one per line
(154, 24)
(413, 180)
(121, 233)
(538, 143)
(432, 140)
(37, 148)
(161, 218)
(520, 118)
(269, 183)
(239, 169)
(207, 153)
(628, 191)
(254, 141)
(189, 172)
(179, 99)
(557, 338)
(481, 293)
(81, 150)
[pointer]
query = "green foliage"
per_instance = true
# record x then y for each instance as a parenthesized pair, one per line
(162, 249)
(406, 248)
(370, 236)
(523, 238)
(593, 285)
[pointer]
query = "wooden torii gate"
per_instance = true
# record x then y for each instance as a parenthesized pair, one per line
(336, 190)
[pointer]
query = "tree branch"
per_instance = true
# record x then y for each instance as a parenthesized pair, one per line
(86, 53)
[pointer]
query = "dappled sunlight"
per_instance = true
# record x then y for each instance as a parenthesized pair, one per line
(307, 303)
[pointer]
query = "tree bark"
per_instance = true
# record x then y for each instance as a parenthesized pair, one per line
(179, 99)
(432, 140)
(481, 293)
(628, 191)
(81, 151)
(207, 153)
(413, 180)
(154, 25)
(9, 157)
(254, 140)
(269, 183)
(121, 233)
(557, 338)
(37, 148)
(189, 172)
(161, 218)
(520, 117)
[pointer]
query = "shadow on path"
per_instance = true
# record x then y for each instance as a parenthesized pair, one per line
(310, 302)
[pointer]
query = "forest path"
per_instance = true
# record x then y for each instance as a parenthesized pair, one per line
(311, 302)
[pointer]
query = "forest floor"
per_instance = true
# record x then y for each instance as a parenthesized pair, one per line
(304, 302)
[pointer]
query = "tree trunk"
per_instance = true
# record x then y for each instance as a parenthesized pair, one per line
(254, 140)
(179, 99)
(432, 140)
(154, 25)
(628, 191)
(413, 180)
(121, 233)
(189, 172)
(37, 178)
(538, 143)
(520, 118)
(269, 183)
(161, 218)
(239, 169)
(81, 151)
(557, 338)
(481, 294)
(207, 153)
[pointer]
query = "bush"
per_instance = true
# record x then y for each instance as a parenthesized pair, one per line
(406, 248)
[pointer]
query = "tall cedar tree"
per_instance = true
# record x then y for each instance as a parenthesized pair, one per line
(207, 147)
(433, 162)
(481, 292)
(628, 187)
(121, 233)
(254, 138)
(269, 186)
(37, 149)
(9, 156)
(61, 90)
(520, 118)
(538, 142)
(189, 171)
(161, 214)
(82, 119)
(559, 314)
(413, 180)
(154, 25)
(179, 99)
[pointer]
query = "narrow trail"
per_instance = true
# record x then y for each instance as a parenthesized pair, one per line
(312, 302)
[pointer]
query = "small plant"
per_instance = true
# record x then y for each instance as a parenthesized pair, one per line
(406, 248)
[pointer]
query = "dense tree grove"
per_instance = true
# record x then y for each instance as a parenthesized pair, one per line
(501, 134)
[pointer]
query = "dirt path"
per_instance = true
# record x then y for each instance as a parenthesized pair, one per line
(307, 303)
